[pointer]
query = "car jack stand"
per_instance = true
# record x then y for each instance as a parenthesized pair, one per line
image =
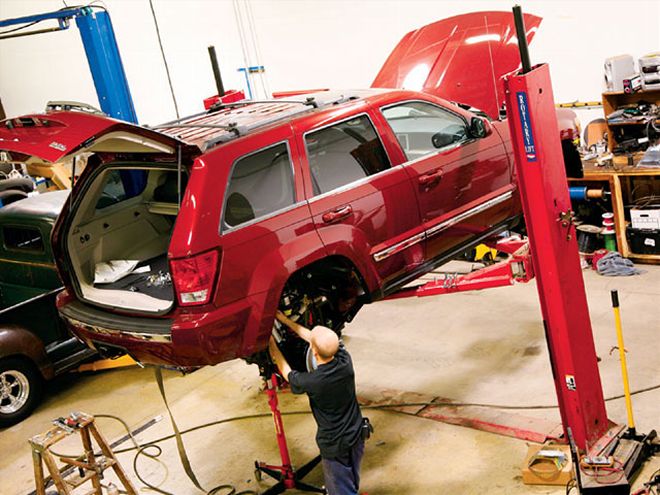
(287, 478)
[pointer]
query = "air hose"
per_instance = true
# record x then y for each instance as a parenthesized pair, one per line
(228, 489)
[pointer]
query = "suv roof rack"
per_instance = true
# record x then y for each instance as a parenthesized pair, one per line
(226, 121)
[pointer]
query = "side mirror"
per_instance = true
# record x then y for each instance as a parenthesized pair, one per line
(479, 128)
(440, 139)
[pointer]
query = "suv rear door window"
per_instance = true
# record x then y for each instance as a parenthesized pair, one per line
(260, 184)
(344, 153)
(23, 239)
(415, 123)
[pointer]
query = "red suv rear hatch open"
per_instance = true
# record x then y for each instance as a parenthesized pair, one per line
(131, 187)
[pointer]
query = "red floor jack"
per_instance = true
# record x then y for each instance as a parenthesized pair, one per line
(287, 478)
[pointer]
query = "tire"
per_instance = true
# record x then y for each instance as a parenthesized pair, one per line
(19, 184)
(11, 196)
(21, 388)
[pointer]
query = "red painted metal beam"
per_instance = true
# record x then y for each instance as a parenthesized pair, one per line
(547, 208)
(517, 269)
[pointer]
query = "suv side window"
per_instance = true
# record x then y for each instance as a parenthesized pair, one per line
(23, 239)
(260, 184)
(415, 124)
(344, 153)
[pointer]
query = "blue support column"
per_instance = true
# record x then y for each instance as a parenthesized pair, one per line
(105, 64)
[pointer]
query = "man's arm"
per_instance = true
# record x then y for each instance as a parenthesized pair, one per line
(279, 358)
(302, 332)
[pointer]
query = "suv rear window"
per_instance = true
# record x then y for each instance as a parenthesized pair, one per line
(23, 239)
(344, 153)
(260, 184)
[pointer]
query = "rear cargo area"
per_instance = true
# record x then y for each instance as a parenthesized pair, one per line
(119, 235)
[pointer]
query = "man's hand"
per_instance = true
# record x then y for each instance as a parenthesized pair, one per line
(302, 332)
(279, 358)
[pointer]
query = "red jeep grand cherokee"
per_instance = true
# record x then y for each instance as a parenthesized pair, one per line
(319, 204)
(180, 242)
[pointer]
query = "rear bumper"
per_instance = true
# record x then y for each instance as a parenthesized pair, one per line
(187, 339)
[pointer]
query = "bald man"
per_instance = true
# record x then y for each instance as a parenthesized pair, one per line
(331, 391)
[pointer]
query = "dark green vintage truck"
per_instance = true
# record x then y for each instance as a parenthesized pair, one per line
(34, 343)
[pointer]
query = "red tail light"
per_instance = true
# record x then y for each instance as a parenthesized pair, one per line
(194, 278)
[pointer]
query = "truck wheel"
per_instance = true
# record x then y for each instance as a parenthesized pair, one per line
(20, 390)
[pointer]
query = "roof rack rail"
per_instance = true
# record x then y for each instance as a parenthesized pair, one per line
(309, 101)
(231, 121)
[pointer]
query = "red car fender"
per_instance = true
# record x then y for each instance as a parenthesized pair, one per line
(347, 241)
(17, 341)
(298, 256)
(258, 330)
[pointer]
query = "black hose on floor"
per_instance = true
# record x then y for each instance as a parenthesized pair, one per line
(143, 449)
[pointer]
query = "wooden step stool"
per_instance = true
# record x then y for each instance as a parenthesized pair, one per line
(87, 467)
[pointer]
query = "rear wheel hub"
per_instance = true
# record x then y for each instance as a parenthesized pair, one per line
(14, 391)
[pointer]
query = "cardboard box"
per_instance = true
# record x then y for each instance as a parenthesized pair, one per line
(543, 469)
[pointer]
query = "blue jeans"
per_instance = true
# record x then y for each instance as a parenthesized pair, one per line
(342, 476)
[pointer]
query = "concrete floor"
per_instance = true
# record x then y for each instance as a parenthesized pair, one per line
(485, 347)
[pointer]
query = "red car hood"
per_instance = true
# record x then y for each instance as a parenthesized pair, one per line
(459, 59)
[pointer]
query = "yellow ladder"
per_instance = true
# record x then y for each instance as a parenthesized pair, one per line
(88, 467)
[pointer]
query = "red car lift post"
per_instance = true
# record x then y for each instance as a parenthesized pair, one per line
(287, 478)
(548, 216)
(547, 208)
(552, 256)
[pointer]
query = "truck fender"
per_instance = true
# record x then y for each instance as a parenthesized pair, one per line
(18, 341)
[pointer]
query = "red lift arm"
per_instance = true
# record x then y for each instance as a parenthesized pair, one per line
(517, 269)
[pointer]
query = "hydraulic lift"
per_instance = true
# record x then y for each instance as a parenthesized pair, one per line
(551, 255)
(100, 44)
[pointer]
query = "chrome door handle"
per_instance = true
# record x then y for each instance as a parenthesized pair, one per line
(338, 214)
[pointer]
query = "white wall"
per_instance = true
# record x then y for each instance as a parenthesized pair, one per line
(303, 43)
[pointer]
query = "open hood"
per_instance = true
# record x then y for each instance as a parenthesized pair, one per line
(52, 136)
(459, 59)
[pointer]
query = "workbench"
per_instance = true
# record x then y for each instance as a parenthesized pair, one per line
(620, 179)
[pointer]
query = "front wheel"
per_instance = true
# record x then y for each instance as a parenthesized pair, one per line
(20, 390)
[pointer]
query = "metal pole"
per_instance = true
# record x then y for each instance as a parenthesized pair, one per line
(547, 207)
(105, 63)
(622, 355)
(216, 71)
(521, 33)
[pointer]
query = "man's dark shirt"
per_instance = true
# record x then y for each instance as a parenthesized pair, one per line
(331, 391)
